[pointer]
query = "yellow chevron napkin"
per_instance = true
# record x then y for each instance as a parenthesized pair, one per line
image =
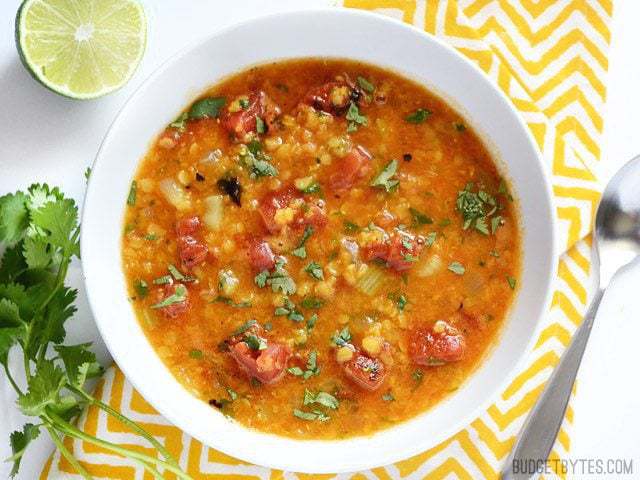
(550, 58)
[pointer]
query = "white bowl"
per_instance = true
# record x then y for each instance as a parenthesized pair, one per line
(316, 33)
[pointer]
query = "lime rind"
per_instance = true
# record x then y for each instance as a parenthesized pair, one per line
(81, 49)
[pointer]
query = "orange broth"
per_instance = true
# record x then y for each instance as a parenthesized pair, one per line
(457, 260)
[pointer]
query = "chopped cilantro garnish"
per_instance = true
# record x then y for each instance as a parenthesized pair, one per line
(341, 338)
(231, 303)
(476, 208)
(206, 108)
(419, 116)
(180, 123)
(321, 398)
(178, 296)
(255, 343)
(445, 222)
(300, 251)
(419, 218)
(260, 125)
(244, 327)
(175, 273)
(512, 282)
(141, 287)
(261, 278)
(258, 162)
(384, 178)
(151, 237)
(315, 271)
(312, 368)
(314, 415)
(504, 190)
(244, 103)
(400, 299)
(311, 321)
(354, 118)
(430, 238)
(312, 302)
(388, 397)
(496, 222)
(457, 268)
(131, 198)
(460, 127)
(417, 375)
(196, 354)
(289, 310)
(365, 84)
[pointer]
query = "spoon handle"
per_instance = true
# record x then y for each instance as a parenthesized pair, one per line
(540, 430)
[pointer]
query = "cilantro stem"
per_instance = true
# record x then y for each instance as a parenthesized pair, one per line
(126, 421)
(73, 431)
(10, 377)
(66, 453)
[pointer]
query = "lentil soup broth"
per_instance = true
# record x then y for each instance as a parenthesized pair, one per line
(320, 248)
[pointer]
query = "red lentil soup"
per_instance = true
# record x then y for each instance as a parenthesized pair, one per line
(320, 248)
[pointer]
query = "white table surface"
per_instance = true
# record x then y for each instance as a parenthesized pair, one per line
(46, 138)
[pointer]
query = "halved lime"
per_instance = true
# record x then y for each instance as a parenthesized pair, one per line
(81, 48)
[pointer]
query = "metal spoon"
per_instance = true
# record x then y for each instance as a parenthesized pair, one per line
(616, 244)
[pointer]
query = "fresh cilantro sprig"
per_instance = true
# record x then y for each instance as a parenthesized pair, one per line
(39, 234)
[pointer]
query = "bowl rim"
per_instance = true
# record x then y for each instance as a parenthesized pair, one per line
(464, 419)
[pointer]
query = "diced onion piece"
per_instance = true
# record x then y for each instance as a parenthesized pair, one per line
(215, 211)
(429, 265)
(371, 280)
(175, 194)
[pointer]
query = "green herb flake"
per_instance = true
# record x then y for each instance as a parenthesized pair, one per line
(255, 343)
(260, 125)
(231, 303)
(417, 375)
(384, 178)
(314, 415)
(151, 237)
(244, 327)
(164, 280)
(196, 354)
(315, 271)
(354, 118)
(457, 268)
(141, 287)
(133, 191)
(388, 397)
(460, 127)
(261, 278)
(341, 338)
(244, 103)
(178, 296)
(419, 218)
(311, 321)
(419, 116)
(321, 398)
(512, 282)
(365, 84)
(206, 108)
(180, 123)
(430, 238)
(312, 302)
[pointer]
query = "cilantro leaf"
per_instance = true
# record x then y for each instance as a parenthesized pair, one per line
(79, 362)
(322, 398)
(12, 263)
(419, 116)
(365, 84)
(355, 118)
(384, 178)
(36, 252)
(315, 415)
(206, 108)
(457, 268)
(315, 271)
(59, 221)
(14, 217)
(44, 389)
(178, 296)
(341, 338)
(19, 440)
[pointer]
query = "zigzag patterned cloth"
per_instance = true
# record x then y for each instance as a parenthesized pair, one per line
(550, 58)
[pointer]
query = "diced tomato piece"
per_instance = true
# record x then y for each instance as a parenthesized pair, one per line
(439, 344)
(243, 122)
(332, 97)
(188, 226)
(364, 371)
(267, 365)
(400, 251)
(306, 213)
(176, 309)
(351, 168)
(272, 202)
(314, 215)
(260, 255)
(191, 251)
